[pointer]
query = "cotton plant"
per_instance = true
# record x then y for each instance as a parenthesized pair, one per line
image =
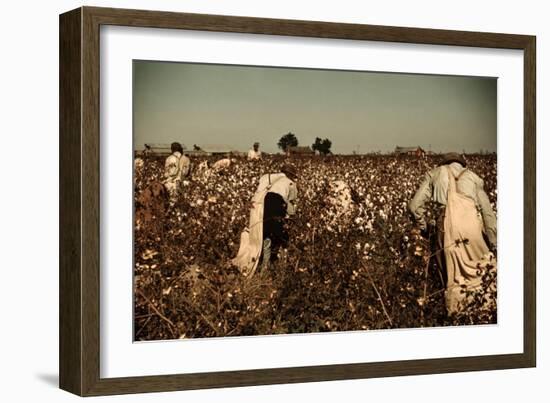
(324, 281)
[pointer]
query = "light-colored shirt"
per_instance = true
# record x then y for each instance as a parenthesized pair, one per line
(176, 167)
(279, 183)
(221, 164)
(254, 155)
(435, 186)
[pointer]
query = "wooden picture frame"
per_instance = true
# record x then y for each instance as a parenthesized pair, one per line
(79, 347)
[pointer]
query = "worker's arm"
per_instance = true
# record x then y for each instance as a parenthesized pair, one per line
(185, 166)
(171, 167)
(487, 213)
(291, 202)
(417, 206)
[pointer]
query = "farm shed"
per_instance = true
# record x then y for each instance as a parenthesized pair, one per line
(417, 151)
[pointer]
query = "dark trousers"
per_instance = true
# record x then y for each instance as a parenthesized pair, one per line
(274, 222)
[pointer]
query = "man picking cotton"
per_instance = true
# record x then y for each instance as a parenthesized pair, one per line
(176, 168)
(272, 204)
(465, 216)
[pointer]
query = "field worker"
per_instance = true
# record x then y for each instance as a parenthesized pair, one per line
(273, 202)
(465, 217)
(254, 153)
(138, 163)
(147, 150)
(222, 164)
(176, 167)
(138, 168)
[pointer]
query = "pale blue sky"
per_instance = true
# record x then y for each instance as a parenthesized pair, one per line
(364, 111)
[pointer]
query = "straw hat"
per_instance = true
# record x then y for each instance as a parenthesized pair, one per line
(290, 171)
(453, 157)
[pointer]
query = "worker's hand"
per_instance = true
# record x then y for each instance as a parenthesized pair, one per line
(493, 242)
(493, 249)
(415, 231)
(419, 231)
(491, 239)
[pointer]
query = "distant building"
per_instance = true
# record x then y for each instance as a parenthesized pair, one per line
(217, 150)
(240, 154)
(157, 149)
(164, 150)
(415, 151)
(299, 151)
(196, 153)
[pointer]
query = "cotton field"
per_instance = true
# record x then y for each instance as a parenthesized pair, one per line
(355, 259)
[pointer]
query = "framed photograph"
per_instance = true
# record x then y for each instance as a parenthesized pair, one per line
(248, 201)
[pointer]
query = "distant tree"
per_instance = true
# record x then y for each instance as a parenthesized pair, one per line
(288, 140)
(323, 146)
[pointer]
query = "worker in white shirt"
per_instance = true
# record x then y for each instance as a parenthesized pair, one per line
(465, 221)
(223, 164)
(176, 167)
(273, 202)
(254, 153)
